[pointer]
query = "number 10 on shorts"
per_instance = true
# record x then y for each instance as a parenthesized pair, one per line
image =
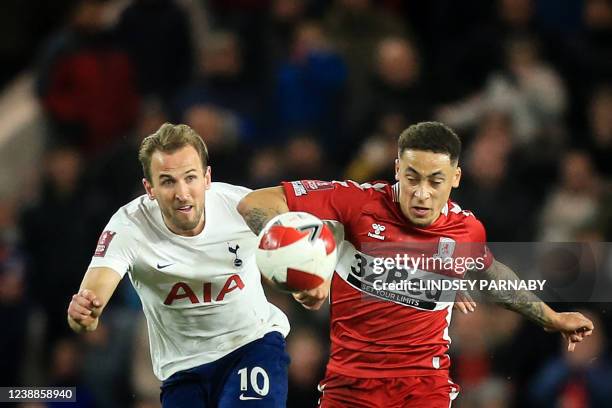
(256, 377)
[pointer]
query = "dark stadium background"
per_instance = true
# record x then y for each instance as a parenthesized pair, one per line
(287, 89)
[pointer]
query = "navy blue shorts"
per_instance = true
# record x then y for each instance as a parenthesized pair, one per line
(255, 375)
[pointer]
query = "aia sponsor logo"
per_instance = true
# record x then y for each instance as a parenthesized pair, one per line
(182, 290)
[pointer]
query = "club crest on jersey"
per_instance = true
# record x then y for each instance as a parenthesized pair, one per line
(446, 247)
(378, 230)
(237, 261)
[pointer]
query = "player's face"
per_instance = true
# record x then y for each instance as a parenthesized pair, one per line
(425, 182)
(179, 182)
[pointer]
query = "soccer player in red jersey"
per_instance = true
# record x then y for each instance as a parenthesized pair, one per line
(393, 352)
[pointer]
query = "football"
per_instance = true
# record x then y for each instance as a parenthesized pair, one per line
(296, 251)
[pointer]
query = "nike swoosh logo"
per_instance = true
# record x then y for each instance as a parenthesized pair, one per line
(243, 398)
(159, 266)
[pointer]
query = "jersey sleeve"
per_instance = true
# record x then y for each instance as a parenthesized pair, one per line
(479, 242)
(328, 200)
(116, 247)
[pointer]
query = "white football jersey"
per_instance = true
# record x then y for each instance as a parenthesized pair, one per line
(201, 295)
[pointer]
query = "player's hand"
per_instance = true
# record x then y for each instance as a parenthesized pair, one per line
(314, 298)
(573, 326)
(464, 302)
(85, 308)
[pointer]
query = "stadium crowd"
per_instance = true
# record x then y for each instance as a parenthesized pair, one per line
(316, 89)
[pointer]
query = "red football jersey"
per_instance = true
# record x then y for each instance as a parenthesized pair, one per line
(377, 333)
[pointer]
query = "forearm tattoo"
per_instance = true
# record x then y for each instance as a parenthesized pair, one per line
(520, 301)
(257, 218)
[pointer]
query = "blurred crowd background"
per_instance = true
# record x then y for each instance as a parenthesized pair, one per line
(288, 89)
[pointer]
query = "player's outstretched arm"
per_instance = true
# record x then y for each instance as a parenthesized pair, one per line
(260, 206)
(573, 326)
(96, 289)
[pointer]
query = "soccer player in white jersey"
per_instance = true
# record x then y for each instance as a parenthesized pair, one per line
(215, 340)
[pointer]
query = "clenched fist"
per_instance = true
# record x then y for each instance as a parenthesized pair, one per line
(314, 298)
(84, 310)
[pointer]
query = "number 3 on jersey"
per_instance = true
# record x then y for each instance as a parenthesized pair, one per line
(254, 378)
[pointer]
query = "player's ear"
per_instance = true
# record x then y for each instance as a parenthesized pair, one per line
(397, 169)
(457, 177)
(148, 188)
(207, 177)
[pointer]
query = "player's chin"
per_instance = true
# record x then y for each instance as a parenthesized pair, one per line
(186, 225)
(421, 222)
(314, 306)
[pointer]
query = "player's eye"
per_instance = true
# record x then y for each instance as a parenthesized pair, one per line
(167, 182)
(436, 182)
(191, 178)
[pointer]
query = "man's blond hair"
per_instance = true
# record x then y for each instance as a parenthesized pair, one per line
(170, 138)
